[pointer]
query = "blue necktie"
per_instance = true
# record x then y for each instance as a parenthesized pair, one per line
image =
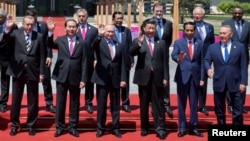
(238, 29)
(118, 34)
(226, 53)
(159, 29)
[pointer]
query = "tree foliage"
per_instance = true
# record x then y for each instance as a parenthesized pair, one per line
(226, 6)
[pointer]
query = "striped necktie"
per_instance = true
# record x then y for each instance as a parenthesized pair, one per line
(28, 42)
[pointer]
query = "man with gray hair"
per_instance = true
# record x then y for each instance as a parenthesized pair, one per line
(204, 32)
(5, 54)
(109, 75)
(88, 33)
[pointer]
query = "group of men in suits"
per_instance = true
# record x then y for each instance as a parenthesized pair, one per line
(103, 56)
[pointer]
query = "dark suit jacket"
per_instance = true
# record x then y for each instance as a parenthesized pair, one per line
(187, 66)
(6, 49)
(72, 68)
(91, 34)
(42, 28)
(245, 34)
(209, 39)
(145, 61)
(33, 61)
(167, 35)
(229, 74)
(126, 43)
(106, 67)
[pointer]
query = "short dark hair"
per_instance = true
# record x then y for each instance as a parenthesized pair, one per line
(145, 22)
(188, 23)
(66, 22)
(31, 12)
(116, 13)
(156, 5)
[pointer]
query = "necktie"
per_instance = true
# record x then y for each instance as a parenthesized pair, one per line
(238, 29)
(159, 29)
(71, 47)
(201, 32)
(83, 32)
(150, 47)
(1, 29)
(118, 34)
(190, 49)
(111, 49)
(226, 53)
(28, 42)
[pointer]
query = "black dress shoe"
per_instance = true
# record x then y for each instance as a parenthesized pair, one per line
(169, 111)
(161, 135)
(126, 108)
(73, 132)
(50, 108)
(3, 109)
(32, 131)
(181, 134)
(117, 133)
(99, 133)
(204, 111)
(245, 111)
(89, 109)
(144, 132)
(230, 109)
(13, 131)
(58, 132)
(195, 133)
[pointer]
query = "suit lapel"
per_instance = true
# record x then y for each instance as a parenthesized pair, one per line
(66, 44)
(76, 46)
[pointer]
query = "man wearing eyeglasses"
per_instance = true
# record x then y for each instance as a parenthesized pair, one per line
(241, 33)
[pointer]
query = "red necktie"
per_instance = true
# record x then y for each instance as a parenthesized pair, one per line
(150, 47)
(190, 49)
(83, 32)
(71, 47)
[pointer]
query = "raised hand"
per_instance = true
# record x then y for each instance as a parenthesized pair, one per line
(9, 22)
(140, 37)
(101, 29)
(51, 24)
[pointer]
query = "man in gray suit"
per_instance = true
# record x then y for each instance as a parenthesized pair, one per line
(241, 33)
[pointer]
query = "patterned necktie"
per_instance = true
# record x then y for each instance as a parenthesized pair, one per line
(111, 49)
(28, 42)
(150, 47)
(83, 32)
(226, 53)
(238, 29)
(190, 49)
(71, 47)
(201, 32)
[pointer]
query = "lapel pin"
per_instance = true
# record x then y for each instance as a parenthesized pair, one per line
(234, 46)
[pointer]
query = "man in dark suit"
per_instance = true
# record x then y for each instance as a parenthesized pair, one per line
(205, 32)
(70, 73)
(41, 27)
(164, 32)
(151, 76)
(124, 37)
(188, 53)
(229, 74)
(241, 33)
(109, 75)
(26, 67)
(88, 33)
(5, 55)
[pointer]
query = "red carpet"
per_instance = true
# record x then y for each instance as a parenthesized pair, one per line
(130, 123)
